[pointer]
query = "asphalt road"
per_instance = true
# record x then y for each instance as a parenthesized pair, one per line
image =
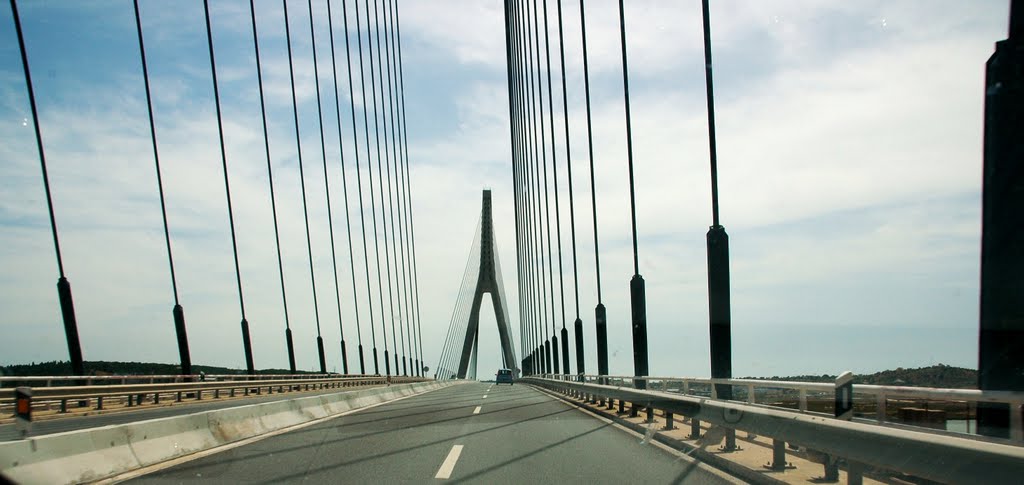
(122, 416)
(516, 434)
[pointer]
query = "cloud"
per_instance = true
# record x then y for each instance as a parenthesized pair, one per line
(849, 147)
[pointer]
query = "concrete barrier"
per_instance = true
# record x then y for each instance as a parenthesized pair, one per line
(97, 453)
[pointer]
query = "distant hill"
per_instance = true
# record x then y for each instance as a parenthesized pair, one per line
(940, 375)
(63, 368)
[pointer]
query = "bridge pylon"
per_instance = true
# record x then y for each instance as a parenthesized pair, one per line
(488, 281)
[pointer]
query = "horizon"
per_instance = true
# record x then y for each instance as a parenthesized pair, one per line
(850, 155)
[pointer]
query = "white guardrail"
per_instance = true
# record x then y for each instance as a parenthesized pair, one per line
(48, 381)
(944, 458)
(91, 392)
(880, 395)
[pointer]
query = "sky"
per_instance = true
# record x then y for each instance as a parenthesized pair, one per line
(849, 149)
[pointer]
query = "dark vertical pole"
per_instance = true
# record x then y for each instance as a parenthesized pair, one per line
(718, 253)
(1001, 339)
(67, 306)
(638, 297)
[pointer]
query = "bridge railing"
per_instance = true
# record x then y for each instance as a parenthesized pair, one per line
(883, 402)
(916, 452)
(114, 391)
(49, 381)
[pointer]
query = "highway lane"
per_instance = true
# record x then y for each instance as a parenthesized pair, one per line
(148, 411)
(516, 434)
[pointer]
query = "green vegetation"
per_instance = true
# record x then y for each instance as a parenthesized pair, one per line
(941, 375)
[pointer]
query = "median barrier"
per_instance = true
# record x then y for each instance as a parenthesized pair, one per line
(97, 453)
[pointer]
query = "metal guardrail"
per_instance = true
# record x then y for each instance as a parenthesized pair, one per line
(942, 458)
(48, 381)
(137, 394)
(879, 394)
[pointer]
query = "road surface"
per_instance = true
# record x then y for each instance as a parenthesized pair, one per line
(475, 433)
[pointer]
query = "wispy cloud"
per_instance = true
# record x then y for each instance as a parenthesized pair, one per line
(849, 147)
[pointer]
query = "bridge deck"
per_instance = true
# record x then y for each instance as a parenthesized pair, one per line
(519, 435)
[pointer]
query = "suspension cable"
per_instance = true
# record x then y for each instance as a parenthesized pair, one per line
(156, 153)
(629, 134)
(327, 190)
(530, 120)
(302, 176)
(514, 165)
(344, 187)
(590, 148)
(373, 197)
(558, 224)
(408, 184)
(63, 286)
(540, 165)
(177, 312)
(359, 185)
(711, 114)
(39, 137)
(554, 166)
(397, 245)
(227, 192)
(568, 164)
(380, 183)
(270, 179)
(530, 206)
(362, 213)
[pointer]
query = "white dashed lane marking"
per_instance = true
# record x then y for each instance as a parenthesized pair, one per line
(445, 472)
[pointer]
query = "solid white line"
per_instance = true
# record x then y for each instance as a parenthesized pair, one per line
(445, 472)
(477, 410)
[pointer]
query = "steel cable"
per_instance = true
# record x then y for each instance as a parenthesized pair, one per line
(380, 183)
(572, 205)
(408, 184)
(344, 189)
(359, 183)
(227, 192)
(369, 172)
(396, 139)
(177, 311)
(327, 189)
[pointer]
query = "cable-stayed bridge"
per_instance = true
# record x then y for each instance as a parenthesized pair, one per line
(382, 416)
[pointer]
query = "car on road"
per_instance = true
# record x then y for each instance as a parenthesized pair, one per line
(503, 376)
